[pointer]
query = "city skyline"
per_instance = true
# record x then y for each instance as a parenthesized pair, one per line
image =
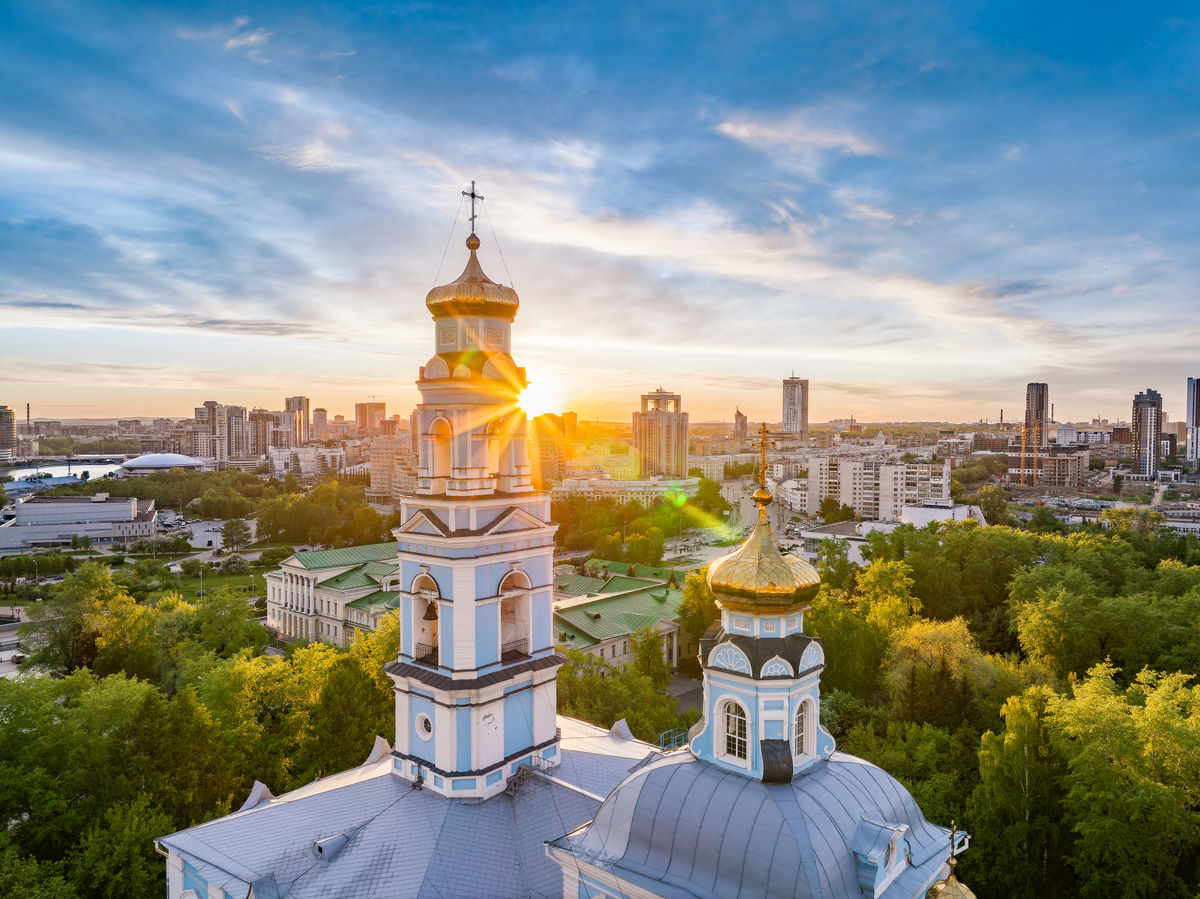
(920, 215)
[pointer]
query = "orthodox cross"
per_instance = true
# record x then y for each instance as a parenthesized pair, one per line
(764, 442)
(474, 196)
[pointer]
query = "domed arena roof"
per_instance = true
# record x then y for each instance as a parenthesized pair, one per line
(473, 293)
(162, 462)
(704, 831)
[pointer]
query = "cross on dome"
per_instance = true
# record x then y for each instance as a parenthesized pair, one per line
(474, 196)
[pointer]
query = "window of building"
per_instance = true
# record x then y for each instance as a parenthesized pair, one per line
(736, 745)
(601, 652)
(798, 733)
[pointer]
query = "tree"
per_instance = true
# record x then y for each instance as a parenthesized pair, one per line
(345, 721)
(23, 875)
(698, 609)
(831, 510)
(993, 502)
(649, 658)
(833, 563)
(275, 556)
(117, 859)
(235, 534)
(932, 668)
(884, 594)
(234, 565)
(190, 567)
(1016, 811)
(1132, 758)
(1044, 521)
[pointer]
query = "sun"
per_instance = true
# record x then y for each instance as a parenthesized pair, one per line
(538, 398)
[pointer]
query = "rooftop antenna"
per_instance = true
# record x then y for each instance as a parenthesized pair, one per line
(473, 196)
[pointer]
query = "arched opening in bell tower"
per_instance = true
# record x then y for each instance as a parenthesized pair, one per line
(499, 436)
(514, 616)
(426, 612)
(440, 438)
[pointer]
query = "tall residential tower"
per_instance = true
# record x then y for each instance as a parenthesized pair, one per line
(660, 435)
(1147, 433)
(795, 406)
(1192, 423)
(1037, 414)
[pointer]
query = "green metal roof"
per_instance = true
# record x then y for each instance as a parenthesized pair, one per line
(620, 615)
(380, 599)
(623, 583)
(639, 570)
(362, 576)
(578, 584)
(350, 555)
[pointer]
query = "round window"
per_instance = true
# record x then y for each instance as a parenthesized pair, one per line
(424, 726)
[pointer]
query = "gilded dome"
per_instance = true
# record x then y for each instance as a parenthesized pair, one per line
(759, 576)
(473, 293)
(949, 888)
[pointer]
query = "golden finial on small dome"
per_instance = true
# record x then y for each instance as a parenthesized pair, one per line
(950, 888)
(472, 242)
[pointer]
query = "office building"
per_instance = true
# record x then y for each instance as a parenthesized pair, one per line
(1037, 414)
(56, 520)
(1147, 433)
(795, 406)
(660, 436)
(300, 405)
(739, 429)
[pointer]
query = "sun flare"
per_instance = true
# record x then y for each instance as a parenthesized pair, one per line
(538, 398)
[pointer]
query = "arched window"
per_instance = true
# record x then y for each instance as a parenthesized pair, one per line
(801, 736)
(425, 619)
(439, 449)
(734, 716)
(514, 615)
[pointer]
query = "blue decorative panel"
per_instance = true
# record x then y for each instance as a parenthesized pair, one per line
(549, 752)
(487, 633)
(462, 734)
(730, 658)
(463, 783)
(494, 778)
(437, 781)
(776, 667)
(518, 721)
(773, 705)
(446, 636)
(813, 656)
(773, 730)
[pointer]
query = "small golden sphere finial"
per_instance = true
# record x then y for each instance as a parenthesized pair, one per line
(762, 496)
(472, 242)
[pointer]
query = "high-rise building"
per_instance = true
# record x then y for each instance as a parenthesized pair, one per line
(221, 432)
(550, 439)
(660, 435)
(8, 433)
(368, 417)
(1037, 414)
(300, 405)
(739, 428)
(320, 424)
(1147, 433)
(795, 406)
(1192, 422)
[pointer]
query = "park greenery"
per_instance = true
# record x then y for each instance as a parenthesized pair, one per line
(69, 446)
(162, 714)
(1037, 687)
(632, 532)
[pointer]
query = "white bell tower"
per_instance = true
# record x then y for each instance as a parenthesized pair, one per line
(475, 677)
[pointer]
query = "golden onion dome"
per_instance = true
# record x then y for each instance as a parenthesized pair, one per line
(473, 293)
(949, 888)
(758, 575)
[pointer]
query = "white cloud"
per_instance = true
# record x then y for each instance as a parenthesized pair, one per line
(800, 140)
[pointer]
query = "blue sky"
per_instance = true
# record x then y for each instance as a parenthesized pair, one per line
(918, 208)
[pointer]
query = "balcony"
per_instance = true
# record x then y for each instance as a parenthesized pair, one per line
(425, 654)
(514, 650)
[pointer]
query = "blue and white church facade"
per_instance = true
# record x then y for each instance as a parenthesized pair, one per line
(486, 791)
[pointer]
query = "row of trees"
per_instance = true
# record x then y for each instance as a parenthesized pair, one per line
(632, 532)
(166, 713)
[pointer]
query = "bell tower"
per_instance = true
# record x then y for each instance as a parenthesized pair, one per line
(475, 676)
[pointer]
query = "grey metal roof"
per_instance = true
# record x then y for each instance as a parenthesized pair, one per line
(685, 824)
(405, 842)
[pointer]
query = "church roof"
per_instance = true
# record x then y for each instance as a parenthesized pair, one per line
(402, 841)
(350, 555)
(682, 826)
(472, 292)
(612, 615)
